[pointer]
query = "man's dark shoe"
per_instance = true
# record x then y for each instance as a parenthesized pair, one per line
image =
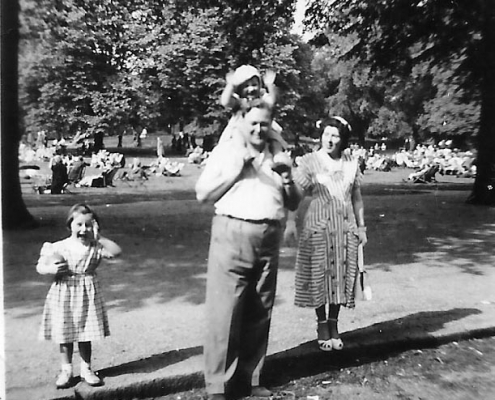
(217, 396)
(260, 391)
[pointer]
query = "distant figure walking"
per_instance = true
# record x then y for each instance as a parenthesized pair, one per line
(159, 147)
(60, 177)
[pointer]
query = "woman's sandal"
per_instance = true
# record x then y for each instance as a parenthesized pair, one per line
(337, 343)
(324, 341)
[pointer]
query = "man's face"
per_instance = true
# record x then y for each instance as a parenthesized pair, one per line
(257, 124)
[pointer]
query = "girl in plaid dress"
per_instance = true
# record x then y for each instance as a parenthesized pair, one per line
(74, 308)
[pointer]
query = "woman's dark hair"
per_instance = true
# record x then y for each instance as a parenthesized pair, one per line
(343, 128)
(80, 209)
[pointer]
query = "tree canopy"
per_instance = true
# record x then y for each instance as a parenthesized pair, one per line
(103, 65)
(443, 37)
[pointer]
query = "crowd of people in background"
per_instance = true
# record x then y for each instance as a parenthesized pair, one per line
(447, 160)
(442, 157)
(65, 155)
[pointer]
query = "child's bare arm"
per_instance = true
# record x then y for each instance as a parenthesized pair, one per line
(111, 248)
(269, 80)
(46, 267)
(51, 262)
(229, 98)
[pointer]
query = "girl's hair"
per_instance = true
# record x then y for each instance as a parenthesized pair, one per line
(80, 209)
(343, 127)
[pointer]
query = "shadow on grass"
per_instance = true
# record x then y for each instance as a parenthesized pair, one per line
(153, 363)
(164, 258)
(366, 345)
(363, 346)
(166, 246)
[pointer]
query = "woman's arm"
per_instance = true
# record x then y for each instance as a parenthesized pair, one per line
(358, 206)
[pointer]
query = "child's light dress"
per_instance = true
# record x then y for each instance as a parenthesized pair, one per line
(74, 308)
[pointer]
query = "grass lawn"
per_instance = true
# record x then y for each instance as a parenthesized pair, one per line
(155, 292)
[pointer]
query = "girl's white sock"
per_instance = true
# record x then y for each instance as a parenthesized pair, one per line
(85, 366)
(67, 367)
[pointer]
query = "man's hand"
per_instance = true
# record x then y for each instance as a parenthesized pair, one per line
(290, 233)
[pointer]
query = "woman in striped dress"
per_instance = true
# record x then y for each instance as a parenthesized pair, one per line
(74, 308)
(326, 262)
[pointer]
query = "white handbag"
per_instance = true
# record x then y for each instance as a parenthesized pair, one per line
(363, 288)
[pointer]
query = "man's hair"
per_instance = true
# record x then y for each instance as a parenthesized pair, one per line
(256, 103)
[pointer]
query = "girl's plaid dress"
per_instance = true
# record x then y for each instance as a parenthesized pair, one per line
(74, 309)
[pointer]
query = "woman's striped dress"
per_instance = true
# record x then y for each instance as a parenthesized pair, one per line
(326, 263)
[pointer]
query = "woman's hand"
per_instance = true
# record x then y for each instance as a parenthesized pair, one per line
(363, 238)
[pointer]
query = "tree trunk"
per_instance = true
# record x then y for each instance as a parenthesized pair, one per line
(14, 211)
(484, 184)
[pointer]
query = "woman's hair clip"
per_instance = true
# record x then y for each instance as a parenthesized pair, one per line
(343, 122)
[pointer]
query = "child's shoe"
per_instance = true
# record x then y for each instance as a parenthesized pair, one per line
(64, 380)
(90, 377)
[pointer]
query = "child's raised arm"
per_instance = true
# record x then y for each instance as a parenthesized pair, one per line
(271, 95)
(229, 98)
(111, 249)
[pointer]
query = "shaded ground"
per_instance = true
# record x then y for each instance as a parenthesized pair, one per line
(456, 371)
(424, 234)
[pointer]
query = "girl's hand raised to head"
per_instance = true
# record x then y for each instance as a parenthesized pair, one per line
(96, 231)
